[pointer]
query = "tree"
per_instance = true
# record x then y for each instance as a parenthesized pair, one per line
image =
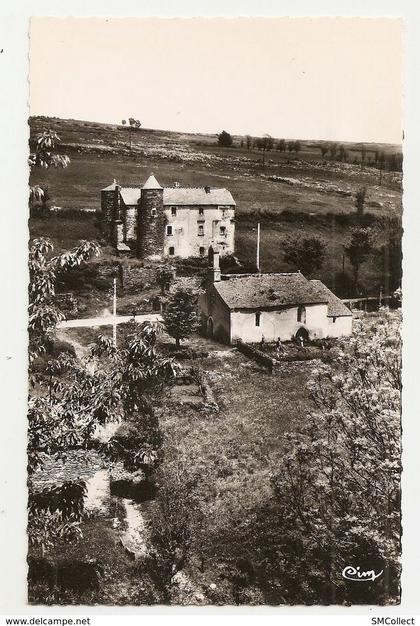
(390, 254)
(45, 156)
(248, 142)
(290, 146)
(176, 528)
(358, 249)
(360, 201)
(337, 487)
(306, 254)
(165, 276)
(124, 122)
(134, 123)
(225, 139)
(342, 153)
(333, 150)
(298, 146)
(281, 146)
(180, 316)
(72, 400)
(324, 150)
(363, 155)
(44, 269)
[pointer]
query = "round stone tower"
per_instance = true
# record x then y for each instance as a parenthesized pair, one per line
(151, 221)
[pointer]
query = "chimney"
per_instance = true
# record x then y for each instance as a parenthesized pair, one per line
(213, 271)
(207, 188)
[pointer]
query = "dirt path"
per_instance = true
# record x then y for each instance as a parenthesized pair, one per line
(90, 322)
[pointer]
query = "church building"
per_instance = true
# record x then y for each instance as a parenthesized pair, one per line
(158, 221)
(252, 307)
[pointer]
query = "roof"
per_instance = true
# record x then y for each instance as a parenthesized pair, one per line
(197, 195)
(336, 308)
(110, 187)
(179, 195)
(151, 183)
(130, 195)
(263, 291)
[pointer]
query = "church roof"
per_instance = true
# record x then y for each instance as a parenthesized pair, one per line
(336, 308)
(265, 291)
(151, 183)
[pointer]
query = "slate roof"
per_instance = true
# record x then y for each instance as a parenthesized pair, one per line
(178, 196)
(197, 195)
(336, 308)
(130, 195)
(151, 183)
(265, 291)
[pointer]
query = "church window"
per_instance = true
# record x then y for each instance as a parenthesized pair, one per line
(201, 211)
(169, 230)
(202, 251)
(257, 318)
(200, 230)
(301, 315)
(173, 210)
(171, 251)
(223, 230)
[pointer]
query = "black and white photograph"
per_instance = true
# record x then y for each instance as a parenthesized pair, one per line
(215, 231)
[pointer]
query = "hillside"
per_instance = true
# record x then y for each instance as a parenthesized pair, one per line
(288, 193)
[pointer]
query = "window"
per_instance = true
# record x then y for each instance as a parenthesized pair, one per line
(301, 315)
(202, 251)
(334, 318)
(171, 251)
(169, 230)
(200, 230)
(173, 210)
(153, 212)
(200, 211)
(257, 318)
(223, 230)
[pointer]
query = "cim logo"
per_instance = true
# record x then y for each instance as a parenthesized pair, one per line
(356, 574)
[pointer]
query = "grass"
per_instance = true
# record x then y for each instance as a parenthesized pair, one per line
(99, 152)
(234, 452)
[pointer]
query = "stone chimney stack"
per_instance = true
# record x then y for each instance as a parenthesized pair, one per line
(213, 271)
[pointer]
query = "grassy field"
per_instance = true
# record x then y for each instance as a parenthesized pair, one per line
(291, 194)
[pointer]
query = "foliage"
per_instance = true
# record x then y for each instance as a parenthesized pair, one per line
(180, 316)
(177, 523)
(360, 200)
(358, 249)
(265, 143)
(337, 487)
(55, 513)
(44, 270)
(45, 156)
(225, 139)
(304, 253)
(281, 145)
(134, 123)
(390, 254)
(165, 276)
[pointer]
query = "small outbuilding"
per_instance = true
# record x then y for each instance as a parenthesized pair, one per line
(252, 307)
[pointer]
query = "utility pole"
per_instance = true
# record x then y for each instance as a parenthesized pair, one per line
(114, 313)
(258, 247)
(380, 297)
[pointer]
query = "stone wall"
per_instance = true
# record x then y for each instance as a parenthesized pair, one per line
(193, 232)
(107, 213)
(151, 224)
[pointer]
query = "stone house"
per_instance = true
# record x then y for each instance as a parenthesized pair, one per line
(161, 221)
(249, 307)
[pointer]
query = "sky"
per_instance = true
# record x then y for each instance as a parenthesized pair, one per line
(337, 79)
